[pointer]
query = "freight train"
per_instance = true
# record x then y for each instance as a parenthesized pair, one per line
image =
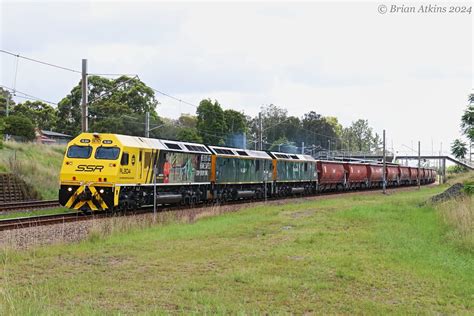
(119, 172)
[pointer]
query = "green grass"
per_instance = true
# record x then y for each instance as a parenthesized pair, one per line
(361, 254)
(57, 210)
(38, 165)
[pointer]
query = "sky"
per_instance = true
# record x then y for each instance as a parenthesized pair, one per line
(407, 73)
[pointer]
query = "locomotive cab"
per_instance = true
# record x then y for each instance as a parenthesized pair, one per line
(88, 171)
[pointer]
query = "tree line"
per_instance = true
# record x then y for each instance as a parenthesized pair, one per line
(460, 148)
(120, 105)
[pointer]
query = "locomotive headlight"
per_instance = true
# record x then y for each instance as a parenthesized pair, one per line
(69, 189)
(101, 191)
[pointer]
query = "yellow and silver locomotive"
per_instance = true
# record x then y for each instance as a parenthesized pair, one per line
(110, 171)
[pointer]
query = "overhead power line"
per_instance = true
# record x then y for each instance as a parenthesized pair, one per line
(60, 67)
(39, 61)
(113, 75)
(26, 95)
(172, 97)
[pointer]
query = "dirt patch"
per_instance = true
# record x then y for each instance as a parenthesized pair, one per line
(302, 214)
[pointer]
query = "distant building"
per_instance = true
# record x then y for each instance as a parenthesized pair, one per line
(49, 137)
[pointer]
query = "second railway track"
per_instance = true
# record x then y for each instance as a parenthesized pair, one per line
(27, 205)
(24, 222)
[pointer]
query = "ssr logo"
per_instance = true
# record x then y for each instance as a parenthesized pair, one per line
(89, 168)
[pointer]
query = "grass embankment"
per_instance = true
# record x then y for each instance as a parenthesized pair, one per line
(358, 254)
(38, 165)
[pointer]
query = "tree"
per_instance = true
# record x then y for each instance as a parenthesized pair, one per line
(41, 114)
(236, 128)
(319, 130)
(235, 122)
(211, 122)
(334, 122)
(272, 117)
(187, 120)
(377, 144)
(119, 104)
(5, 96)
(283, 145)
(189, 135)
(467, 120)
(166, 128)
(276, 124)
(459, 149)
(20, 126)
(359, 136)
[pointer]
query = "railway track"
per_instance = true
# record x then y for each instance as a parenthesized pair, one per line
(24, 222)
(27, 205)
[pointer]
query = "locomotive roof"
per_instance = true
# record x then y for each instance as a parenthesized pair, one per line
(286, 156)
(237, 152)
(162, 144)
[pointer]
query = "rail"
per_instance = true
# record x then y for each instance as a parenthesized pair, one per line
(24, 222)
(23, 205)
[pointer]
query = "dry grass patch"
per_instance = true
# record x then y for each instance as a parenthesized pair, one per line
(459, 216)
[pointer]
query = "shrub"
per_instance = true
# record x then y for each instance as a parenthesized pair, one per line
(20, 126)
(469, 188)
(456, 169)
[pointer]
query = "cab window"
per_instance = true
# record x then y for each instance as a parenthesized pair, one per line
(110, 153)
(124, 161)
(79, 151)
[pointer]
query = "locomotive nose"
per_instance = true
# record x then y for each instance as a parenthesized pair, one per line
(85, 195)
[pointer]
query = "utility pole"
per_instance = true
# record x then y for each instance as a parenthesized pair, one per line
(384, 185)
(85, 125)
(419, 161)
(444, 171)
(329, 147)
(470, 151)
(261, 130)
(154, 191)
(302, 148)
(147, 124)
